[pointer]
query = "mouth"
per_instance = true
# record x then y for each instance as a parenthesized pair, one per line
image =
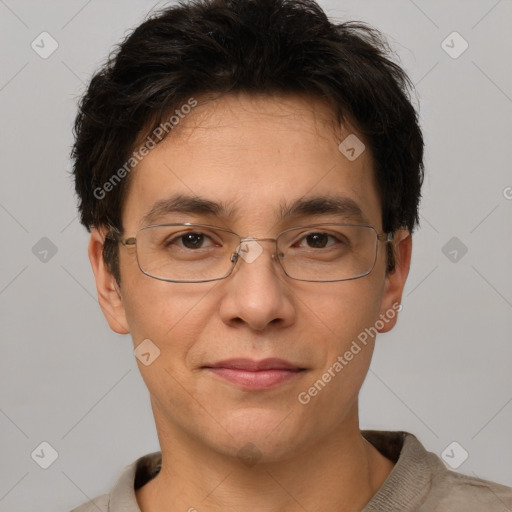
(255, 375)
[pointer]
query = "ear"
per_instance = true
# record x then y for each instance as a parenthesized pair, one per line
(395, 280)
(109, 295)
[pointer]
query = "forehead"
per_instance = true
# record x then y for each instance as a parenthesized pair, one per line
(254, 161)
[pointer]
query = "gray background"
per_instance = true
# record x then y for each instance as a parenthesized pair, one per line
(443, 373)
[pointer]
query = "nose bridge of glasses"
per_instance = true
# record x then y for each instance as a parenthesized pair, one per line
(253, 239)
(250, 249)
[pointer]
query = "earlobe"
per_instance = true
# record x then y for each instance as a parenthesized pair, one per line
(395, 280)
(109, 294)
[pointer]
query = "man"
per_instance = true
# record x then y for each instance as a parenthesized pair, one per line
(250, 173)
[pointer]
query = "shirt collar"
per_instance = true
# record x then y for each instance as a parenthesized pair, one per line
(406, 485)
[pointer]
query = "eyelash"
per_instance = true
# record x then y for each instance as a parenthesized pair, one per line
(303, 237)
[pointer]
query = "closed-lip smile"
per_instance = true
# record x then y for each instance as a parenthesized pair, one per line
(255, 375)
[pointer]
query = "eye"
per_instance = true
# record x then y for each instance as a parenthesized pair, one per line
(319, 240)
(191, 240)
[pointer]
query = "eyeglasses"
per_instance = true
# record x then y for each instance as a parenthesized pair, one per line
(198, 253)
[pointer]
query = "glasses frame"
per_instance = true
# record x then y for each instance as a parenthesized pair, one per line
(131, 241)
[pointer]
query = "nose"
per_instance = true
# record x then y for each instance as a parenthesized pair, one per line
(250, 249)
(257, 293)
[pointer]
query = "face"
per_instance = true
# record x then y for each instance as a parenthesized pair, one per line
(251, 155)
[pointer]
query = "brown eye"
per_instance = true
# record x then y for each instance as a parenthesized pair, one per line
(193, 240)
(317, 240)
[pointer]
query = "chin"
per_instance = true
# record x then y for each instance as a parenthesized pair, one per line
(266, 434)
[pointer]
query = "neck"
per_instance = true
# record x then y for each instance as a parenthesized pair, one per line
(342, 473)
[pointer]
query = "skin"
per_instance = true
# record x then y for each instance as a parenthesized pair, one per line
(253, 152)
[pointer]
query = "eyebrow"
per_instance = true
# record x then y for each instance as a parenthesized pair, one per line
(318, 205)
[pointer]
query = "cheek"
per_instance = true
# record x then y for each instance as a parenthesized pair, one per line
(340, 311)
(148, 302)
(171, 315)
(344, 318)
(172, 326)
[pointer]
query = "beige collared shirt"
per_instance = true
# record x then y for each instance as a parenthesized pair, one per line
(419, 482)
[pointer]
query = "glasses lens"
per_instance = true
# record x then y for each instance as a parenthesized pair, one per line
(185, 253)
(193, 253)
(328, 252)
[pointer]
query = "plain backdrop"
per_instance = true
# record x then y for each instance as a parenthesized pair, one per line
(444, 373)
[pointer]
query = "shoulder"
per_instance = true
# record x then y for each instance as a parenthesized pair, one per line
(457, 492)
(421, 482)
(451, 491)
(122, 496)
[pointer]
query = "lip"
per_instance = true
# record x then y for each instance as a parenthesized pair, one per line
(255, 375)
